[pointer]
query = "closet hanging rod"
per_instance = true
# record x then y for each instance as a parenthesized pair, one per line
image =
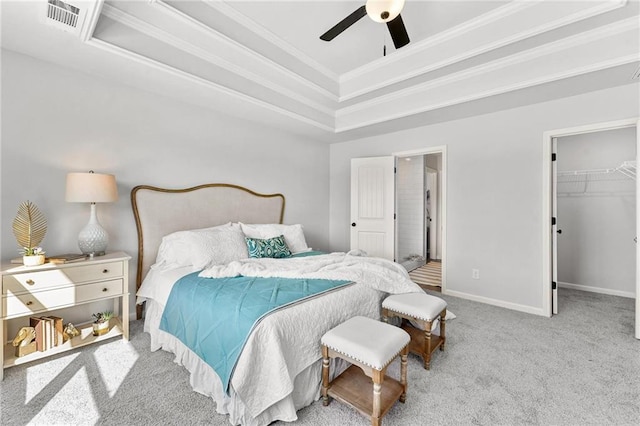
(627, 168)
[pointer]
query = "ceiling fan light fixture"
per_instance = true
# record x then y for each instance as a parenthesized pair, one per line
(384, 10)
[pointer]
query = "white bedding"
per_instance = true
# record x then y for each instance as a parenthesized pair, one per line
(278, 371)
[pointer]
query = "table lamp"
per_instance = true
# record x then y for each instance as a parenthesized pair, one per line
(92, 188)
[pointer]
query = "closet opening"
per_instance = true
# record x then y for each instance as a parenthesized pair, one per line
(592, 181)
(596, 212)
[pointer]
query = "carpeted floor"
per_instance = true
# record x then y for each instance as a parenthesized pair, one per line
(500, 367)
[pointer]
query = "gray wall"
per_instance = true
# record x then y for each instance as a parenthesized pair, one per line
(56, 120)
(494, 199)
(596, 250)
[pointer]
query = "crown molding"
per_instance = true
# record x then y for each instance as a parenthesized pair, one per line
(242, 49)
(233, 14)
(94, 9)
(609, 46)
(169, 39)
(249, 52)
(596, 34)
(416, 48)
(468, 39)
(207, 84)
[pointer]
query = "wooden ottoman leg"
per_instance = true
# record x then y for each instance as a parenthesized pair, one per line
(385, 315)
(443, 316)
(325, 376)
(426, 354)
(378, 377)
(403, 373)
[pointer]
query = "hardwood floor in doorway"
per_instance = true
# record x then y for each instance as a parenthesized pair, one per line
(428, 276)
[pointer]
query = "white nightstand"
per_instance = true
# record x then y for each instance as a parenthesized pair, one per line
(29, 291)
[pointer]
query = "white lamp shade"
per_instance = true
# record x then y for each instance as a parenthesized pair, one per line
(91, 188)
(376, 9)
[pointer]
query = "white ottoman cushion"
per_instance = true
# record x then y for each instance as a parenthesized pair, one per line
(371, 342)
(418, 305)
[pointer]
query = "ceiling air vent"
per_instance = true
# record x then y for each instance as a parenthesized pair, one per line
(636, 74)
(63, 14)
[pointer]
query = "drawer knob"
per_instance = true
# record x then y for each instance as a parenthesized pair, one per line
(29, 303)
(104, 290)
(104, 271)
(30, 281)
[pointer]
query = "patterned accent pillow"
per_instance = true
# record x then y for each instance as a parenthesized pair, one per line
(272, 247)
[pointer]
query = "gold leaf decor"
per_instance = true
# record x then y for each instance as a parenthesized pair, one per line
(30, 225)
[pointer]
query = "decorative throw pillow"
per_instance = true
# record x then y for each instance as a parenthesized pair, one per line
(202, 247)
(293, 234)
(272, 247)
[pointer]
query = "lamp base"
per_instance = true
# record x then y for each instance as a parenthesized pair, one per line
(93, 239)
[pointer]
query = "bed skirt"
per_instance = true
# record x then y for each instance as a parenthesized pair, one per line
(204, 380)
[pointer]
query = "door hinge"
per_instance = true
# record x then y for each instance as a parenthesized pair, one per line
(394, 216)
(554, 157)
(395, 170)
(554, 285)
(553, 221)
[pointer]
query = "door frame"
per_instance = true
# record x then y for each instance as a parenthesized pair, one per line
(547, 203)
(441, 149)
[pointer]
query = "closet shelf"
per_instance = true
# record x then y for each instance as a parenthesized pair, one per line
(626, 170)
(611, 181)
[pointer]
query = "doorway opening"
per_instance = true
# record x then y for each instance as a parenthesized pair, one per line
(596, 212)
(420, 189)
(549, 213)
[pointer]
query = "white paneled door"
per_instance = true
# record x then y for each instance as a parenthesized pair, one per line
(372, 206)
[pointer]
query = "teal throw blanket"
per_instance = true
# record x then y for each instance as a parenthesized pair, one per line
(214, 316)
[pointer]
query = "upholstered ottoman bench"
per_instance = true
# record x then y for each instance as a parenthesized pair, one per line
(423, 310)
(370, 346)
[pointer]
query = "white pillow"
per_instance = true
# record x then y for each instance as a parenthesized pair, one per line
(293, 234)
(201, 247)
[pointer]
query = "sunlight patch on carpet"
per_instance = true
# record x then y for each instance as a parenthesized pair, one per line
(72, 394)
(39, 376)
(114, 363)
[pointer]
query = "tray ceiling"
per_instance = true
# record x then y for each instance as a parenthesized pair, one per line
(264, 59)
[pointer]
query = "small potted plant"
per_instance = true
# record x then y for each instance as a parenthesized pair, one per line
(29, 227)
(32, 256)
(101, 322)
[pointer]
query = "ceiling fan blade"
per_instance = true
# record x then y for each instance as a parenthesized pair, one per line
(398, 32)
(344, 24)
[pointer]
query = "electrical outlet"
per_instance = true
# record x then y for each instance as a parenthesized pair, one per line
(475, 274)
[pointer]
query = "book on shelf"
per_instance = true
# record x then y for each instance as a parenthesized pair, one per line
(48, 332)
(58, 330)
(67, 258)
(38, 325)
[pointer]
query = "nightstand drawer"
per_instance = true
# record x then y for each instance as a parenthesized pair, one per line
(95, 291)
(48, 279)
(16, 305)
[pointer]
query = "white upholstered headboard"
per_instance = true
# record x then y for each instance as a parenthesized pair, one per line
(160, 211)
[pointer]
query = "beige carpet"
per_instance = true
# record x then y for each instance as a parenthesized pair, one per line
(500, 367)
(429, 275)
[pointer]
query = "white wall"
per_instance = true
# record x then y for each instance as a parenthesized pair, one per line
(596, 250)
(56, 120)
(494, 194)
(410, 207)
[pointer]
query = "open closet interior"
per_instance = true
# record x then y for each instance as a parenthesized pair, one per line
(596, 211)
(418, 216)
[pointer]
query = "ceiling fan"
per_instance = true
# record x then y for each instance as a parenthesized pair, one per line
(387, 11)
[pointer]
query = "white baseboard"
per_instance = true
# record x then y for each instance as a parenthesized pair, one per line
(496, 302)
(600, 290)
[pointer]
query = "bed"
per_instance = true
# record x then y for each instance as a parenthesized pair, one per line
(278, 369)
